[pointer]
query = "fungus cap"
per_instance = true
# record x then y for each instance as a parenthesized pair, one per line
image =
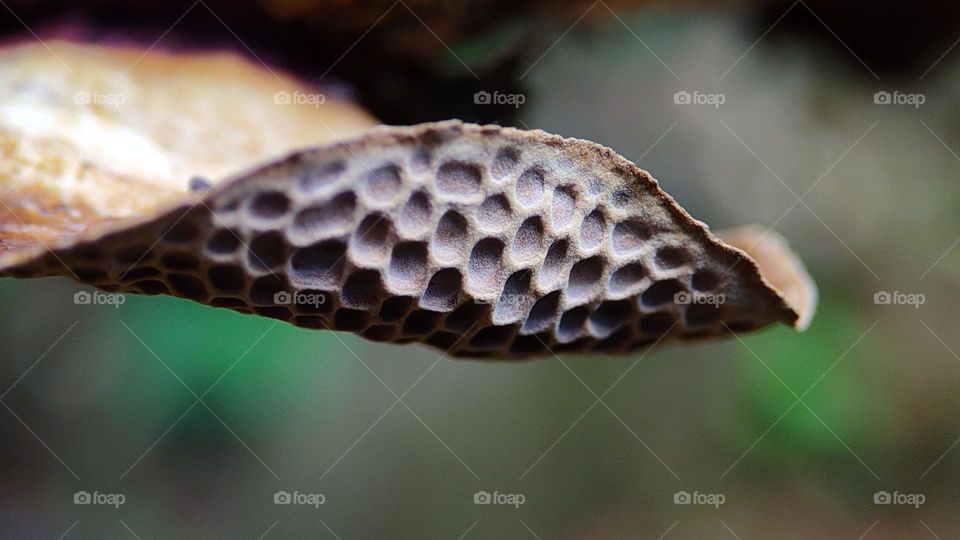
(479, 240)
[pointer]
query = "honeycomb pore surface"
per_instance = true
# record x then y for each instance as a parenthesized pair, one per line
(481, 241)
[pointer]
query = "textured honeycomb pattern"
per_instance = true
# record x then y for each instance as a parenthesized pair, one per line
(478, 240)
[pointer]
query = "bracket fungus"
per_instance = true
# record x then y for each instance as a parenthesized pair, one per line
(481, 240)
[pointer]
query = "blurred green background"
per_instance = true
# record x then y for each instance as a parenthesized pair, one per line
(797, 432)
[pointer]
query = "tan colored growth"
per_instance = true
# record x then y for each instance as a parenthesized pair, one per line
(90, 132)
(479, 240)
(490, 241)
